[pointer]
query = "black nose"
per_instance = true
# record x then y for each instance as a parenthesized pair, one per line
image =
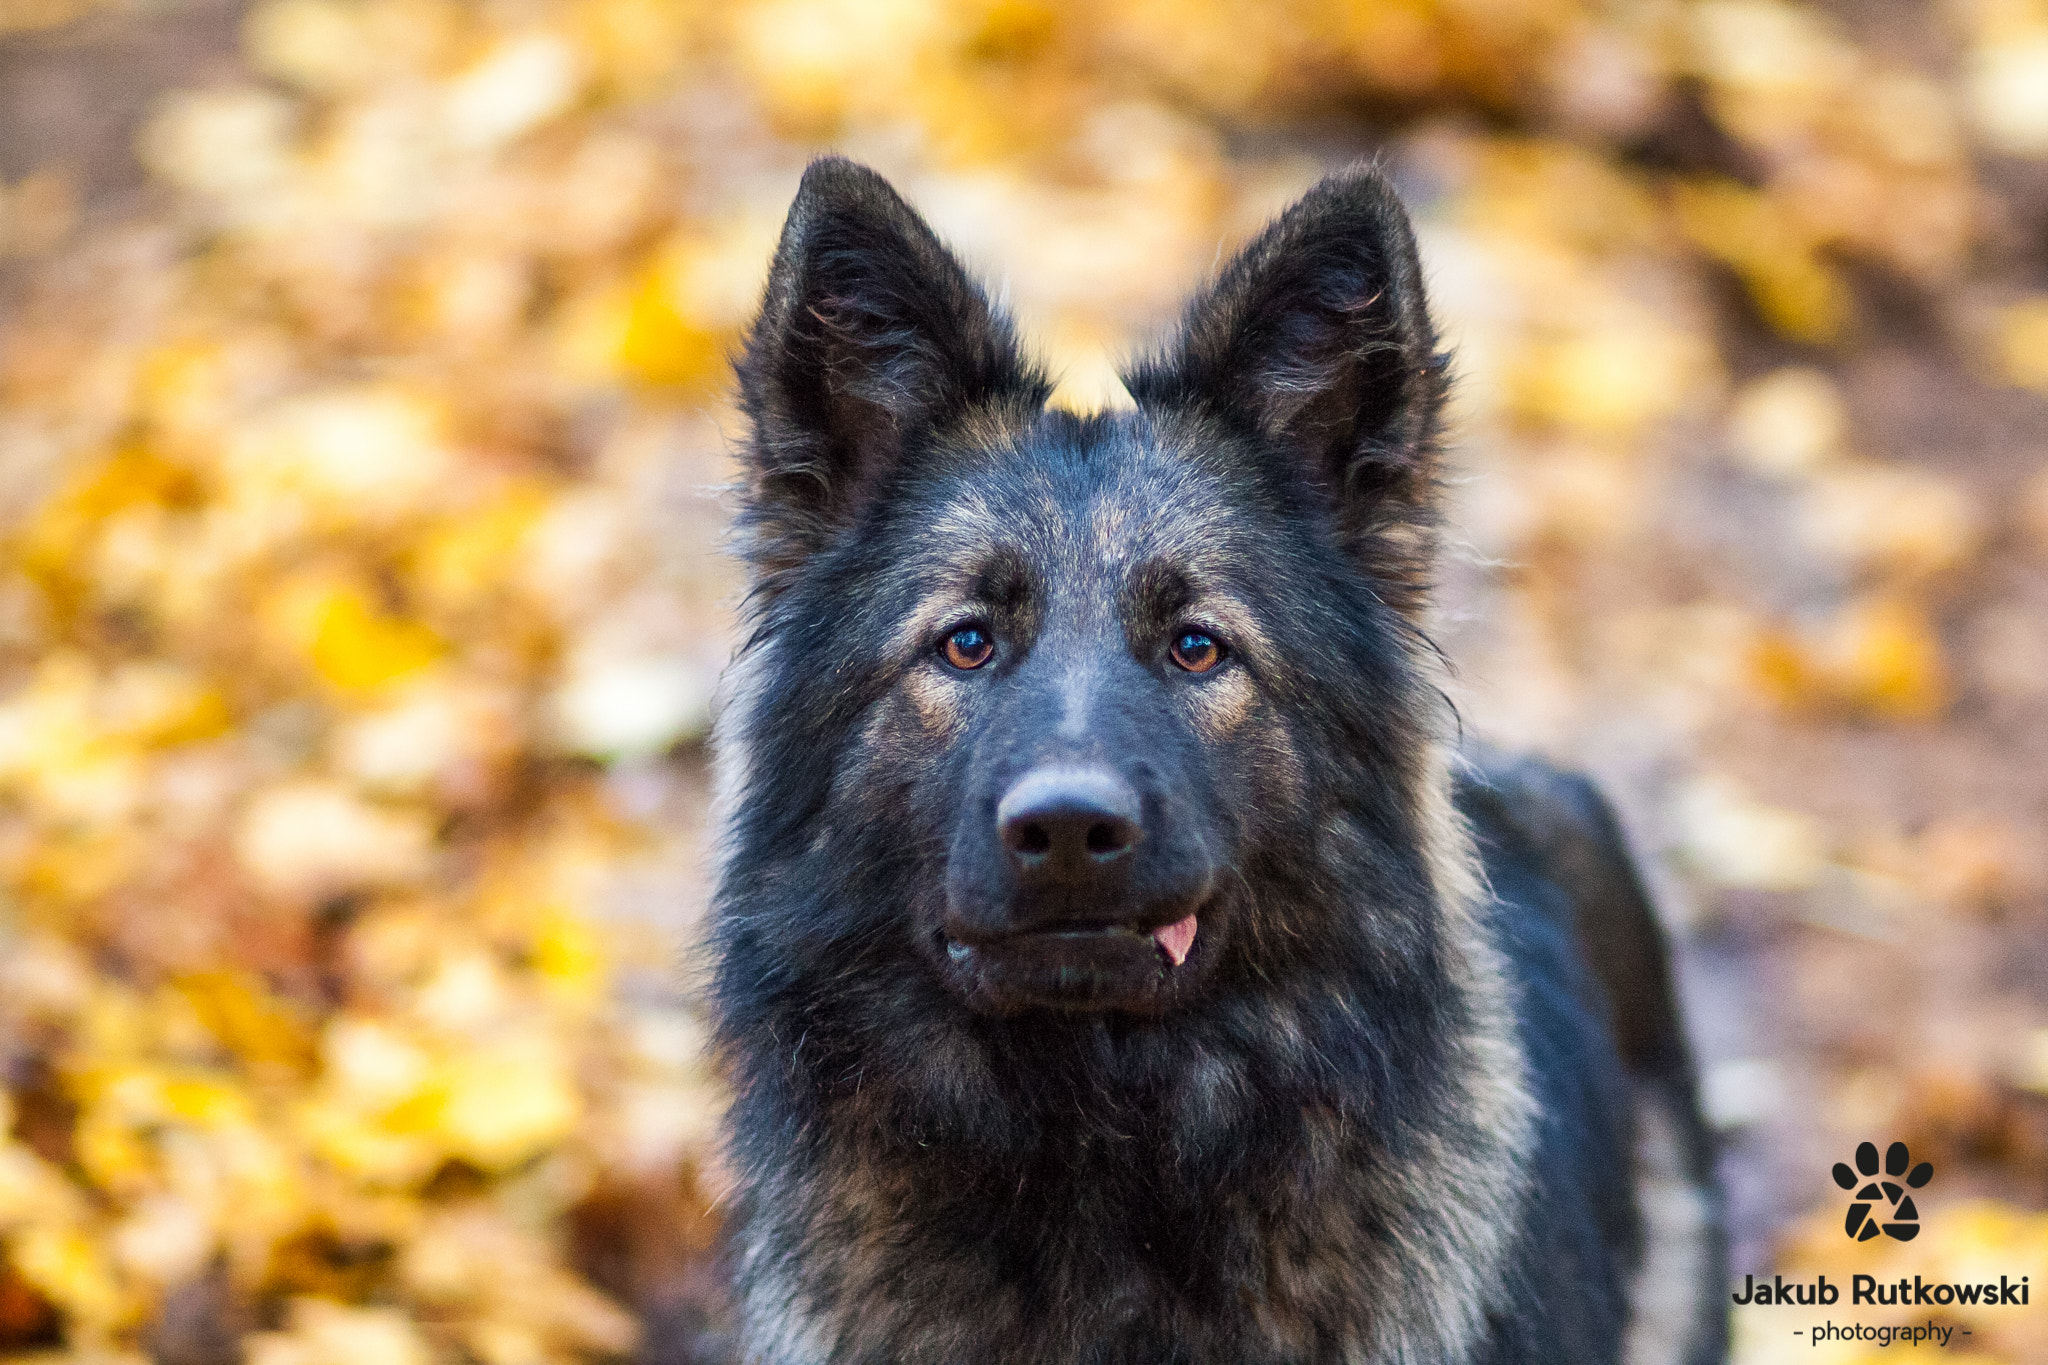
(1067, 824)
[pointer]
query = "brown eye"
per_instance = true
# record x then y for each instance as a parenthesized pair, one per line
(968, 648)
(1196, 651)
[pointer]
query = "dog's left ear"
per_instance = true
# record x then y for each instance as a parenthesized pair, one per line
(872, 337)
(1316, 343)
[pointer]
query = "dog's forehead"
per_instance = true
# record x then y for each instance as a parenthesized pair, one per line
(1106, 496)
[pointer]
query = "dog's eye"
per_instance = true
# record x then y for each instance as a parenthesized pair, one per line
(967, 648)
(1196, 651)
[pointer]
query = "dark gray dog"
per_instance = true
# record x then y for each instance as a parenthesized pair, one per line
(1115, 962)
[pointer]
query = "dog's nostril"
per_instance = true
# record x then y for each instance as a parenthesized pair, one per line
(1106, 840)
(1031, 840)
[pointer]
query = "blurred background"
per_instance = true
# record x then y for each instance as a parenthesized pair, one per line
(363, 407)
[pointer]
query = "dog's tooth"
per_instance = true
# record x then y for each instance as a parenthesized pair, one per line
(1176, 939)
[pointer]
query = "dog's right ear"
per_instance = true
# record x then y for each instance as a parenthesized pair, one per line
(871, 338)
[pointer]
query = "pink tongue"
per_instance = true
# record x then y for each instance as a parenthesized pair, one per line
(1176, 938)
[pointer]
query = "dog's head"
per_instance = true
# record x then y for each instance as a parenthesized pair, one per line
(1034, 703)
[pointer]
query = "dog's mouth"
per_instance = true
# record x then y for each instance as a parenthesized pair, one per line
(1075, 967)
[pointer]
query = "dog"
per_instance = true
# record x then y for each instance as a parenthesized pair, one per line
(1116, 961)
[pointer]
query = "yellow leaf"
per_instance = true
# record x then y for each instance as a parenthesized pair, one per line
(2022, 344)
(237, 1009)
(505, 1102)
(70, 1270)
(1795, 291)
(466, 557)
(348, 639)
(669, 324)
(658, 344)
(364, 1147)
(571, 959)
(1880, 656)
(55, 542)
(1607, 381)
(161, 704)
(1892, 661)
(201, 1100)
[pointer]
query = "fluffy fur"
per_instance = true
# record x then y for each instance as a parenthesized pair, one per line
(1383, 1111)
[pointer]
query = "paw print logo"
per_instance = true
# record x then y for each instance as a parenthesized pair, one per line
(1862, 1224)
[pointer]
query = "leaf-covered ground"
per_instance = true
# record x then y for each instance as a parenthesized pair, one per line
(362, 390)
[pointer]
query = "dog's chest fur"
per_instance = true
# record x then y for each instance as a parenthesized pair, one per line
(1237, 1222)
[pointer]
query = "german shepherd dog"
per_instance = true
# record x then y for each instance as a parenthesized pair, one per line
(1116, 961)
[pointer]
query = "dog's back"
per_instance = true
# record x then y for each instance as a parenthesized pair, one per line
(1599, 1001)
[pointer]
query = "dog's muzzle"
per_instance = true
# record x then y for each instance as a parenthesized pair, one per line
(1085, 910)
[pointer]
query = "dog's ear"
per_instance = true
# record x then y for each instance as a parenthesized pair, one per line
(1316, 343)
(871, 337)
